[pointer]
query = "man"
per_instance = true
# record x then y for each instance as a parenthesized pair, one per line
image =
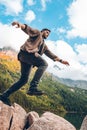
(30, 56)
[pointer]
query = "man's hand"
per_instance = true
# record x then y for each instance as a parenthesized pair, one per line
(65, 62)
(18, 25)
(62, 61)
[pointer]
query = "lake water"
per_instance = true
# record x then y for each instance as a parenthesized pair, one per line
(75, 119)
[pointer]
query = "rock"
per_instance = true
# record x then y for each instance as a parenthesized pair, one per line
(32, 117)
(15, 118)
(84, 124)
(19, 117)
(12, 117)
(5, 116)
(50, 121)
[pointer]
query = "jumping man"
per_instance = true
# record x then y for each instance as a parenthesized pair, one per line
(30, 55)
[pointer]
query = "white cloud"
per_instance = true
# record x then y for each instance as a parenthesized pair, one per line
(78, 18)
(82, 53)
(76, 70)
(30, 16)
(12, 7)
(11, 36)
(30, 2)
(43, 3)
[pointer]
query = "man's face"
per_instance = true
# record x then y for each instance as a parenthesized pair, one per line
(45, 34)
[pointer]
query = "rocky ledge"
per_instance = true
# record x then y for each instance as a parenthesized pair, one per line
(15, 118)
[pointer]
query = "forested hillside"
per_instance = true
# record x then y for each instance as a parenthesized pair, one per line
(59, 98)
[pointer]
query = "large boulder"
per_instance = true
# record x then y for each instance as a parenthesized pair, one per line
(32, 117)
(15, 118)
(50, 121)
(19, 117)
(84, 124)
(12, 117)
(5, 116)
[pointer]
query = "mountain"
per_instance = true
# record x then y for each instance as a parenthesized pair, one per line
(69, 82)
(8, 51)
(72, 83)
(58, 98)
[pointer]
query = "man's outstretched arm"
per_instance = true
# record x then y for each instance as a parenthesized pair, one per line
(18, 25)
(27, 29)
(54, 57)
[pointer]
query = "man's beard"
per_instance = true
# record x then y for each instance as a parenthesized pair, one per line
(44, 37)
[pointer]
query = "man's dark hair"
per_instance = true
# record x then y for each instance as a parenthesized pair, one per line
(44, 29)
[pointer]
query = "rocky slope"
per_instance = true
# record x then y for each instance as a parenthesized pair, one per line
(15, 118)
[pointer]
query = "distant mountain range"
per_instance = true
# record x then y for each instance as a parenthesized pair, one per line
(72, 83)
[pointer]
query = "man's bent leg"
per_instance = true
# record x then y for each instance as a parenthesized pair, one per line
(25, 71)
(42, 65)
(39, 72)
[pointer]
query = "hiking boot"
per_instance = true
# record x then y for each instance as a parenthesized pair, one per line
(35, 92)
(5, 100)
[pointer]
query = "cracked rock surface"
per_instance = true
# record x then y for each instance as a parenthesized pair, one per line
(15, 118)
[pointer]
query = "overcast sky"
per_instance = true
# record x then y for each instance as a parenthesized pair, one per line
(67, 20)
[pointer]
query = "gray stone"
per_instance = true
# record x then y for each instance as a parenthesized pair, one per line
(84, 124)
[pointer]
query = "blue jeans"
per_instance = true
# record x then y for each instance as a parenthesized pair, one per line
(41, 65)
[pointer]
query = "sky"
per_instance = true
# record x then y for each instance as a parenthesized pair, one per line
(67, 20)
